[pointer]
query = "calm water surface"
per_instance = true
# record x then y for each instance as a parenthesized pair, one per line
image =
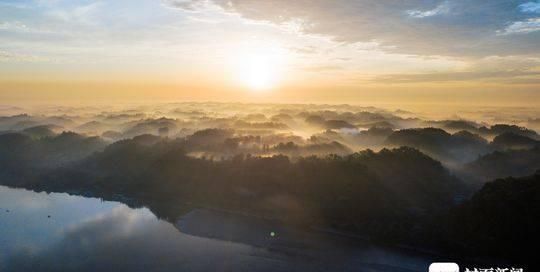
(59, 232)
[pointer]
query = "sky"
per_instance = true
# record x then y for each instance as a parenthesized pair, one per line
(323, 51)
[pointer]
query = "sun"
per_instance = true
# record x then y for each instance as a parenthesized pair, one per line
(257, 72)
(259, 68)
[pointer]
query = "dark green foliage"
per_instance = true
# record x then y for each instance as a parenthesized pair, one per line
(501, 164)
(378, 193)
(499, 129)
(501, 219)
(455, 148)
(22, 155)
(395, 195)
(510, 140)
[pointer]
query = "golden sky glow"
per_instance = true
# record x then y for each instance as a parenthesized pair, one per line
(276, 51)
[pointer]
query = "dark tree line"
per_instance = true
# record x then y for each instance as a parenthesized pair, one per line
(394, 195)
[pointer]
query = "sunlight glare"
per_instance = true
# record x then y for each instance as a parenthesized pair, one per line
(258, 73)
(259, 69)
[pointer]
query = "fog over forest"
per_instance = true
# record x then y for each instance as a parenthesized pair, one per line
(465, 144)
(387, 174)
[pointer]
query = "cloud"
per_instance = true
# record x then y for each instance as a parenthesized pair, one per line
(512, 76)
(6, 56)
(13, 26)
(522, 27)
(532, 7)
(470, 28)
(83, 14)
(323, 68)
(14, 5)
(306, 50)
(510, 70)
(440, 9)
(187, 5)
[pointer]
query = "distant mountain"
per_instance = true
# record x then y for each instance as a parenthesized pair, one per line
(111, 135)
(93, 127)
(41, 131)
(25, 121)
(283, 118)
(320, 122)
(150, 126)
(207, 138)
(455, 125)
(11, 122)
(357, 139)
(337, 124)
(373, 137)
(484, 131)
(499, 129)
(24, 124)
(292, 149)
(379, 125)
(260, 125)
(501, 164)
(454, 148)
(510, 140)
(57, 120)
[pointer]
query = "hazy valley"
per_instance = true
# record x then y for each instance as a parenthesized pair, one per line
(386, 175)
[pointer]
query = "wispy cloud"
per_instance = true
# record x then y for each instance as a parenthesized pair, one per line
(14, 26)
(471, 28)
(443, 8)
(342, 37)
(6, 56)
(187, 5)
(521, 27)
(84, 14)
(512, 76)
(531, 7)
(324, 68)
(305, 50)
(14, 5)
(512, 70)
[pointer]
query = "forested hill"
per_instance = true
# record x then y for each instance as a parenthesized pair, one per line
(393, 195)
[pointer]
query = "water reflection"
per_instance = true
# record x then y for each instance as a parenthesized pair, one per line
(84, 234)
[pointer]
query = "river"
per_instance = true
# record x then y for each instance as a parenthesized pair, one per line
(61, 232)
